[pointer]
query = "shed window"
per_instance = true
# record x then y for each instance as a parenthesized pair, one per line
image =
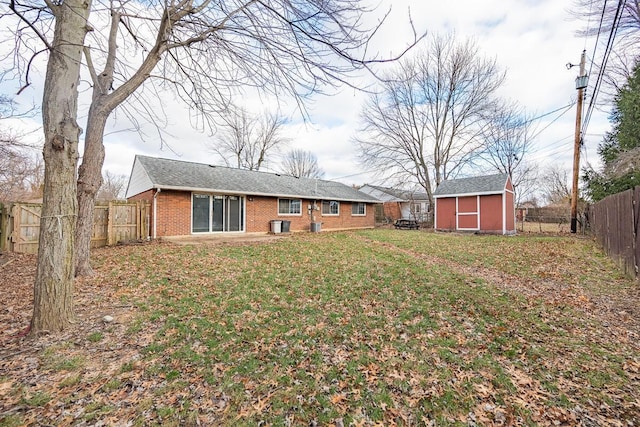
(330, 207)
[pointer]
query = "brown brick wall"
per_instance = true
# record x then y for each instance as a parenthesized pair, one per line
(392, 210)
(174, 214)
(262, 210)
(345, 220)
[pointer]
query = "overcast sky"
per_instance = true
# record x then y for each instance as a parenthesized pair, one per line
(533, 40)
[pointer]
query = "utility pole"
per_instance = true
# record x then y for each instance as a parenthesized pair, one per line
(581, 84)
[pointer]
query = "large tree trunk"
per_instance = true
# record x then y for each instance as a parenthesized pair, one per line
(103, 103)
(89, 182)
(53, 288)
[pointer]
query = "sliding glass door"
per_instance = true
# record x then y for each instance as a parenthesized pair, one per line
(234, 213)
(216, 213)
(201, 213)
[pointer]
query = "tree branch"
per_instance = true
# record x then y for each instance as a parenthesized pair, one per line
(12, 6)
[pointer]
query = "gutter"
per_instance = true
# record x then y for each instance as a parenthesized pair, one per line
(263, 194)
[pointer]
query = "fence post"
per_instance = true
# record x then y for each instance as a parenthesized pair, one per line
(110, 224)
(14, 212)
(636, 228)
(3, 227)
(138, 220)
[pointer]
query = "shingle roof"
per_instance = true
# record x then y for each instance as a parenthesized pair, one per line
(181, 175)
(480, 184)
(403, 195)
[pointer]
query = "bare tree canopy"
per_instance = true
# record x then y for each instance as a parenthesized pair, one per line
(246, 140)
(604, 16)
(618, 21)
(428, 116)
(202, 50)
(301, 164)
(20, 176)
(21, 165)
(554, 183)
(113, 186)
(507, 140)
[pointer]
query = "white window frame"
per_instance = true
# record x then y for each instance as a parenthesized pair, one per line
(329, 204)
(290, 213)
(225, 197)
(357, 205)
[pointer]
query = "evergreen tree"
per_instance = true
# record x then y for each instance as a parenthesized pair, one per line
(620, 149)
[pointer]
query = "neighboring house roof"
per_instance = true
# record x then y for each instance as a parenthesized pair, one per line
(387, 194)
(165, 174)
(488, 184)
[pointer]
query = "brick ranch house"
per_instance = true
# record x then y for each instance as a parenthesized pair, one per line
(483, 204)
(193, 198)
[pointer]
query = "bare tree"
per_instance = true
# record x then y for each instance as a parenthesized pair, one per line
(620, 19)
(301, 164)
(113, 186)
(555, 185)
(203, 50)
(426, 119)
(245, 140)
(20, 175)
(20, 168)
(507, 141)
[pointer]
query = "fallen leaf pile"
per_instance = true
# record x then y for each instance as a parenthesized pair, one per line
(380, 327)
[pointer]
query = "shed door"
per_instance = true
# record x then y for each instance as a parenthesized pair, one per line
(468, 213)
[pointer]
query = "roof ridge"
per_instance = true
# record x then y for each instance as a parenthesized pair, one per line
(231, 168)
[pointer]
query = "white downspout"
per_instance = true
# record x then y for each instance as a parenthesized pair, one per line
(155, 213)
(435, 214)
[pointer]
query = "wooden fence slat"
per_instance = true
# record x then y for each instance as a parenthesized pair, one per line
(636, 229)
(615, 223)
(113, 223)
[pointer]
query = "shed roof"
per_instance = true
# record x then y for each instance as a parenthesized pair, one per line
(153, 172)
(487, 184)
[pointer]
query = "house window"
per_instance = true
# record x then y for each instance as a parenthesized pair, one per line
(358, 209)
(330, 207)
(289, 206)
(416, 208)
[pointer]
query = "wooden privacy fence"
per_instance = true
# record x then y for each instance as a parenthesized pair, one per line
(615, 221)
(112, 223)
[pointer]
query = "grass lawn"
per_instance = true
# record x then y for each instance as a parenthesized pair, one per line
(377, 327)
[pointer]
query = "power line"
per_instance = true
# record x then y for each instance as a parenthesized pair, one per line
(549, 113)
(605, 59)
(567, 108)
(550, 149)
(595, 46)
